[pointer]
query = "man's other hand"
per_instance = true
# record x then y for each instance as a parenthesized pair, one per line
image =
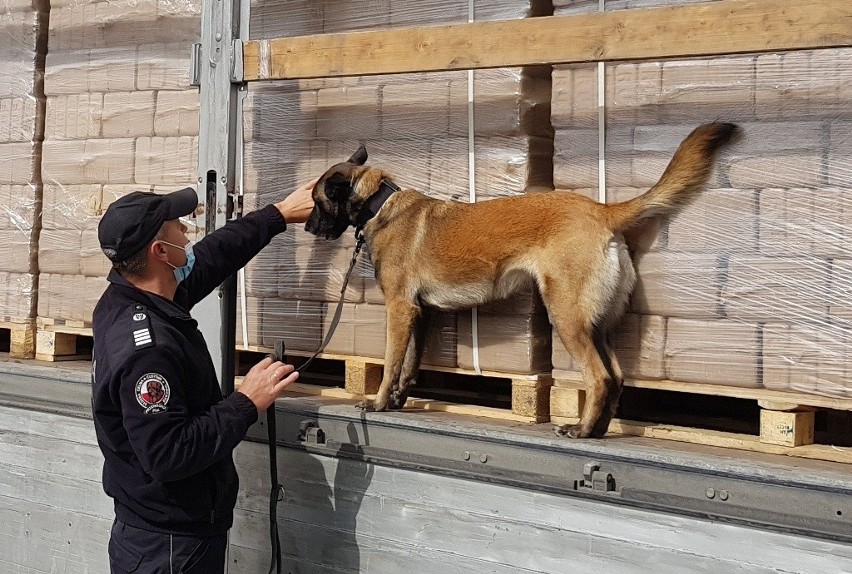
(266, 381)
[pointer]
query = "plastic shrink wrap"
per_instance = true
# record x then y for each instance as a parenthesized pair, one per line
(458, 135)
(752, 284)
(23, 43)
(121, 117)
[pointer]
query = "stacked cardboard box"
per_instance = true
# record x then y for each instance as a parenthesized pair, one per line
(415, 126)
(23, 30)
(748, 286)
(121, 117)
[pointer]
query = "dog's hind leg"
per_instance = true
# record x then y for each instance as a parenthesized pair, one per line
(615, 382)
(411, 363)
(401, 317)
(587, 344)
(579, 341)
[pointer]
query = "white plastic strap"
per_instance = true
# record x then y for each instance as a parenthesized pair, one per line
(471, 179)
(601, 124)
(264, 59)
(241, 274)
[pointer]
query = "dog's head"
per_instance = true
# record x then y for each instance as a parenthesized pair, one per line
(336, 204)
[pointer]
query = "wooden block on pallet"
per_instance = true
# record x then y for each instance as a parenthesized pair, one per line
(362, 378)
(566, 401)
(787, 428)
(532, 398)
(53, 346)
(22, 341)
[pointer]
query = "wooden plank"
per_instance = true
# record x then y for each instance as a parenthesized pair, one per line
(380, 361)
(718, 438)
(712, 28)
(781, 398)
(414, 403)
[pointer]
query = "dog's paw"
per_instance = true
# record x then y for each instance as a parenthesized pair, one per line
(372, 406)
(571, 431)
(397, 400)
(366, 405)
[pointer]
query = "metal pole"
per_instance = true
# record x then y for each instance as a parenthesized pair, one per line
(217, 66)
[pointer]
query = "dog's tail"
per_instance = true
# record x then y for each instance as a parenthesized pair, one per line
(684, 177)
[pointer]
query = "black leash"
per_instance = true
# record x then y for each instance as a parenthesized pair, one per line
(276, 494)
(359, 243)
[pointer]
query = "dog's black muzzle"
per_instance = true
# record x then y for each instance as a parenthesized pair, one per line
(325, 225)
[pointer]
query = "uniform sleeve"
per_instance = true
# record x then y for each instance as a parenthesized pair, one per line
(170, 443)
(226, 250)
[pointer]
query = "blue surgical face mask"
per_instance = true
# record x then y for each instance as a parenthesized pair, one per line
(183, 271)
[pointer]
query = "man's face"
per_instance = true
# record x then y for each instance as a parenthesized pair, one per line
(174, 232)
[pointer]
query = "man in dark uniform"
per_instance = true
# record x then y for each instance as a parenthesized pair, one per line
(166, 433)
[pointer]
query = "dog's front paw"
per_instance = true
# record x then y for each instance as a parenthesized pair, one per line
(366, 405)
(572, 431)
(397, 400)
(371, 406)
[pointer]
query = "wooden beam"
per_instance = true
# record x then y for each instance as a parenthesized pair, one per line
(707, 29)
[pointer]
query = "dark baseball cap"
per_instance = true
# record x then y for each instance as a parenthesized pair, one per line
(132, 221)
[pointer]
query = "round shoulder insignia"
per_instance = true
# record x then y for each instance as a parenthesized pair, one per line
(139, 316)
(152, 392)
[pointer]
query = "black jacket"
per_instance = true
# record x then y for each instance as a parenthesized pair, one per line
(166, 433)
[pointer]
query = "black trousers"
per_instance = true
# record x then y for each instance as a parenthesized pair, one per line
(140, 551)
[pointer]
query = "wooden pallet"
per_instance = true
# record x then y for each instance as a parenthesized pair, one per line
(786, 420)
(62, 340)
(22, 336)
(530, 394)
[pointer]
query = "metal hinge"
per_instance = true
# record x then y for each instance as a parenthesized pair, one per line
(310, 433)
(195, 65)
(595, 479)
(235, 205)
(237, 61)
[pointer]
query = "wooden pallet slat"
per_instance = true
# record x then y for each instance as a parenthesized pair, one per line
(22, 338)
(704, 29)
(57, 340)
(363, 375)
(786, 420)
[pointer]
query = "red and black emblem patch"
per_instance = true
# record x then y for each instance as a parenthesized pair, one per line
(152, 392)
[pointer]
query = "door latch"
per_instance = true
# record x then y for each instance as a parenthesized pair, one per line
(595, 479)
(310, 433)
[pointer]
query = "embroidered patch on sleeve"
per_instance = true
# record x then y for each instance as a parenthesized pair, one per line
(152, 392)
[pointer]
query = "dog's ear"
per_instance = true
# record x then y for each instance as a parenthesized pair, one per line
(359, 157)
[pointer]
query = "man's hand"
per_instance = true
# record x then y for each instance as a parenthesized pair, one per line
(296, 207)
(266, 381)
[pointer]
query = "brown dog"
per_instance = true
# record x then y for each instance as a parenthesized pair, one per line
(450, 255)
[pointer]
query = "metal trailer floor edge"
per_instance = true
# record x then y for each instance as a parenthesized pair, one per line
(421, 492)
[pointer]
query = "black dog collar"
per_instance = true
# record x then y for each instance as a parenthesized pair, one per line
(375, 202)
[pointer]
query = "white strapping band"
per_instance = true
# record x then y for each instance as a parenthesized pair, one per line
(471, 179)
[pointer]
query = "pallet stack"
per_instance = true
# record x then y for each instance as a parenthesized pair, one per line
(23, 28)
(416, 127)
(121, 117)
(749, 286)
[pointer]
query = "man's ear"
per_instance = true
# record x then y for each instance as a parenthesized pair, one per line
(359, 157)
(158, 249)
(338, 186)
